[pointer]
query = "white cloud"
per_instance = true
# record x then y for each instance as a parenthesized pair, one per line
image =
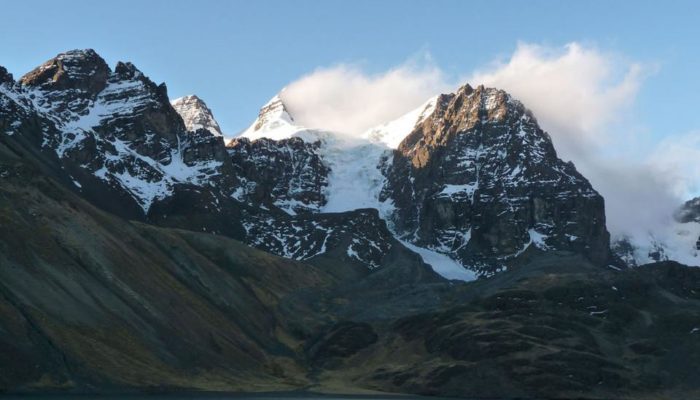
(581, 96)
(678, 158)
(574, 91)
(345, 99)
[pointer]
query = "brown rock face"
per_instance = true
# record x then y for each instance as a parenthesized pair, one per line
(78, 70)
(481, 180)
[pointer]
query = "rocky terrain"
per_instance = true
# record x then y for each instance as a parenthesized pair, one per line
(139, 251)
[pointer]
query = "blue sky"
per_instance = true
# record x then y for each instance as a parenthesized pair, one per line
(237, 54)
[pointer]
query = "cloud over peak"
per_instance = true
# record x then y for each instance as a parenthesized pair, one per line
(345, 99)
(578, 93)
(575, 91)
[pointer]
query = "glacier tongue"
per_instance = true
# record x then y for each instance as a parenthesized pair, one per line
(355, 179)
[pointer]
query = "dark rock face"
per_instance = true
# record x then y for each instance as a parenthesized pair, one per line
(480, 179)
(5, 77)
(689, 211)
(75, 77)
(359, 236)
(289, 173)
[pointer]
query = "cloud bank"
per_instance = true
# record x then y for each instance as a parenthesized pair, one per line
(579, 94)
(574, 91)
(345, 99)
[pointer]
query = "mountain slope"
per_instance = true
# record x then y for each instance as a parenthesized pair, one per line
(90, 300)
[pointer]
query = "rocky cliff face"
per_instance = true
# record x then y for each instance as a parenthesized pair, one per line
(479, 179)
(289, 173)
(196, 114)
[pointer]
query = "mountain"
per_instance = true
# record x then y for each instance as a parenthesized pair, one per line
(137, 254)
(478, 178)
(469, 175)
(196, 115)
(114, 132)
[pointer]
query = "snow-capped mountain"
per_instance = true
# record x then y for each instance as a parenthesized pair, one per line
(480, 180)
(116, 126)
(274, 122)
(114, 136)
(467, 180)
(196, 114)
(472, 177)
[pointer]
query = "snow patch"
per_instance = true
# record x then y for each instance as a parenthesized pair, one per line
(442, 264)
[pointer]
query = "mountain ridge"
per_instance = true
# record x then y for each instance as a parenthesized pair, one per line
(101, 293)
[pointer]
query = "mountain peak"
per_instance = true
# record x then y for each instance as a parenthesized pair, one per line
(127, 70)
(80, 69)
(196, 114)
(5, 77)
(273, 109)
(274, 122)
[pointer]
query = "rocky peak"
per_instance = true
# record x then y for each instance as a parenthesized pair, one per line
(82, 70)
(457, 112)
(116, 132)
(5, 77)
(196, 115)
(274, 122)
(480, 180)
(273, 110)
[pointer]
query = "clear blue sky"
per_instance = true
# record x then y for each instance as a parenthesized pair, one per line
(237, 54)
